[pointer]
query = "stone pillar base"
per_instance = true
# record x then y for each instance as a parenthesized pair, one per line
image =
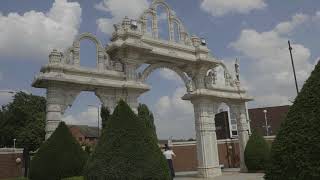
(243, 169)
(209, 172)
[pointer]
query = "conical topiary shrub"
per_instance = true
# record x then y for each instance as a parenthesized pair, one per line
(126, 150)
(295, 153)
(256, 153)
(146, 115)
(59, 157)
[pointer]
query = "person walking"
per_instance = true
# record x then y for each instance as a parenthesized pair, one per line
(168, 153)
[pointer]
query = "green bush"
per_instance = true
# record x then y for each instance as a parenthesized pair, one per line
(295, 153)
(146, 115)
(256, 153)
(74, 178)
(126, 150)
(59, 157)
(17, 178)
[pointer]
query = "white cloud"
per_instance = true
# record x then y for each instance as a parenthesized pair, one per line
(118, 9)
(169, 75)
(35, 34)
(270, 67)
(174, 116)
(5, 97)
(223, 7)
(88, 117)
(289, 26)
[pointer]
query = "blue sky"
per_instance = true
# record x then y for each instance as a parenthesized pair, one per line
(255, 31)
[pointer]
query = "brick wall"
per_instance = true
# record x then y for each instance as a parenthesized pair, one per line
(8, 166)
(186, 159)
(75, 131)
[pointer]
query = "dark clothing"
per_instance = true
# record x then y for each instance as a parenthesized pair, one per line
(170, 164)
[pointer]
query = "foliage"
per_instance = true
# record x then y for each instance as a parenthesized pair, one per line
(105, 115)
(23, 119)
(256, 153)
(74, 178)
(126, 150)
(146, 115)
(295, 153)
(17, 178)
(60, 156)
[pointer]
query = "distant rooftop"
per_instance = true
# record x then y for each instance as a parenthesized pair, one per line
(87, 131)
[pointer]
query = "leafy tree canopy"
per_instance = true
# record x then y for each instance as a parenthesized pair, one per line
(23, 119)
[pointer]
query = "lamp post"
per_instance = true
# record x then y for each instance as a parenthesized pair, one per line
(98, 108)
(266, 122)
(294, 70)
(14, 145)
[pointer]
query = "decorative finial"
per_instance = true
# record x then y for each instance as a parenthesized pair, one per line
(237, 69)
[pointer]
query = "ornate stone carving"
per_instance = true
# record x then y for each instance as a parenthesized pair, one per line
(211, 78)
(55, 57)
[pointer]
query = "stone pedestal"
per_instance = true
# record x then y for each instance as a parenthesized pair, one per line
(207, 149)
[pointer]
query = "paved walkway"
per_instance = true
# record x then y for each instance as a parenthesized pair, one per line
(225, 176)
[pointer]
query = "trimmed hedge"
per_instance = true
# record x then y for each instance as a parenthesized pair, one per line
(74, 178)
(126, 150)
(59, 157)
(146, 115)
(295, 153)
(257, 153)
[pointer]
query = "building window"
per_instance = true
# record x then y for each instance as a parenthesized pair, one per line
(80, 139)
(232, 124)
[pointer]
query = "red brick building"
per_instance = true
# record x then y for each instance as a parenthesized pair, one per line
(9, 165)
(85, 135)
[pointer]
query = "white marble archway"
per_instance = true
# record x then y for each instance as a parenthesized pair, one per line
(116, 77)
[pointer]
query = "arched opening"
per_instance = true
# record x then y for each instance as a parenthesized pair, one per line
(176, 30)
(88, 53)
(149, 30)
(83, 120)
(163, 22)
(170, 111)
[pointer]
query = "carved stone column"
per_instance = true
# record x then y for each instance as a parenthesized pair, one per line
(199, 77)
(243, 130)
(100, 57)
(207, 148)
(132, 100)
(54, 110)
(155, 31)
(130, 70)
(58, 100)
(76, 53)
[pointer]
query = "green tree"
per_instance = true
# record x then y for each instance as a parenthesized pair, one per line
(59, 157)
(256, 153)
(105, 115)
(126, 150)
(295, 153)
(23, 119)
(146, 115)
